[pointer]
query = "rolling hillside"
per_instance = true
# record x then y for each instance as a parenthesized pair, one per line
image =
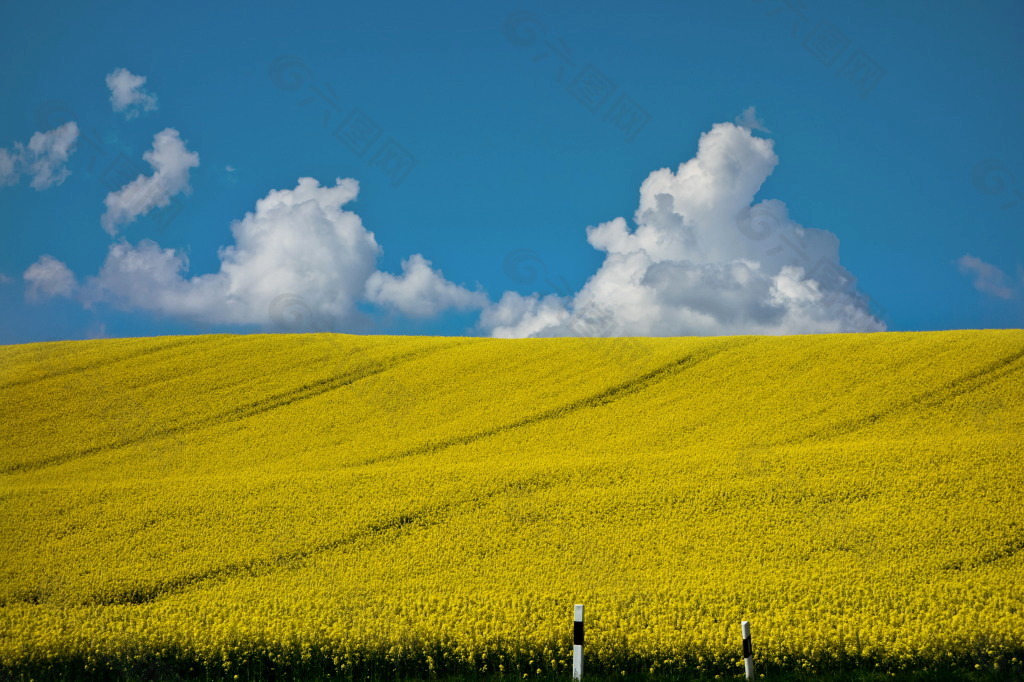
(352, 504)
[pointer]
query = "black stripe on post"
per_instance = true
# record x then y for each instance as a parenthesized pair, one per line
(748, 650)
(577, 632)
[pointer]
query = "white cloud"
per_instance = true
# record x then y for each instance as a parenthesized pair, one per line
(49, 277)
(5, 279)
(171, 161)
(420, 291)
(703, 260)
(47, 153)
(298, 242)
(518, 316)
(126, 93)
(987, 277)
(44, 159)
(749, 120)
(298, 261)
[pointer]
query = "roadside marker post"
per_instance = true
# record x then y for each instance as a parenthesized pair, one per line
(748, 651)
(577, 642)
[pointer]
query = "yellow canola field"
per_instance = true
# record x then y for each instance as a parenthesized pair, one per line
(378, 505)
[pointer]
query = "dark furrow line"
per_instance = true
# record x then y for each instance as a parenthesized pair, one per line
(297, 559)
(597, 400)
(255, 568)
(1009, 550)
(983, 377)
(959, 386)
(102, 363)
(237, 413)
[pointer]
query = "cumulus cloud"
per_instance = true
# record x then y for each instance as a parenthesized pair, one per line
(703, 259)
(518, 316)
(299, 260)
(44, 159)
(171, 161)
(421, 291)
(987, 278)
(297, 241)
(749, 120)
(48, 277)
(127, 94)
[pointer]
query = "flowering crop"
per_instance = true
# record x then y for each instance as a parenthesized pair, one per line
(420, 505)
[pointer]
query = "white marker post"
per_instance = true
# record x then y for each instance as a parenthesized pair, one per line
(748, 651)
(577, 642)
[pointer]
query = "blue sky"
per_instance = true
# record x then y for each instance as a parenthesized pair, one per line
(486, 138)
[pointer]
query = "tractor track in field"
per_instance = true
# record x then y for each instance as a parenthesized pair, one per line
(237, 413)
(609, 395)
(99, 364)
(972, 381)
(419, 519)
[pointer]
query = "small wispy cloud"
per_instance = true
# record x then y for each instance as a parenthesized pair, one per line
(749, 120)
(44, 158)
(8, 168)
(987, 278)
(49, 277)
(171, 161)
(97, 330)
(127, 94)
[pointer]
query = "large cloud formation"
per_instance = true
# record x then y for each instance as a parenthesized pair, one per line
(298, 260)
(44, 159)
(171, 161)
(704, 259)
(298, 242)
